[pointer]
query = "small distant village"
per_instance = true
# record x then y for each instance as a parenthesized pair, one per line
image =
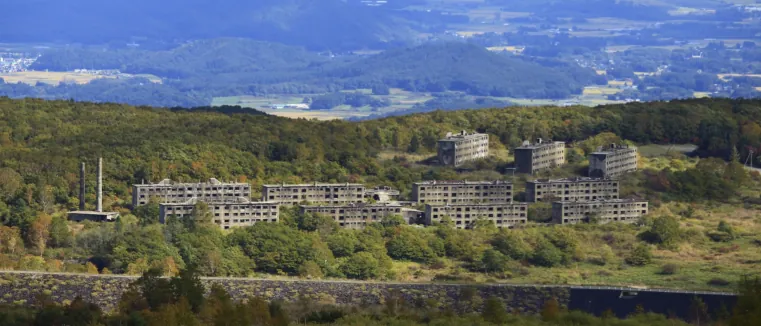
(11, 62)
(590, 199)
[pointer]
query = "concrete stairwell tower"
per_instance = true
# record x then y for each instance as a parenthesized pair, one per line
(100, 185)
(82, 187)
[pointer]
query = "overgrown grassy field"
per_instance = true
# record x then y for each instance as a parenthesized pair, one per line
(54, 78)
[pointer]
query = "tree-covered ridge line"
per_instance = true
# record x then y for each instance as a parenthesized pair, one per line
(44, 138)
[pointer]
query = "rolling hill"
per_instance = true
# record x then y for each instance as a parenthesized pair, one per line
(324, 24)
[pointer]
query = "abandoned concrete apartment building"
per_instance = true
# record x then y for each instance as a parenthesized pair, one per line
(571, 189)
(168, 191)
(532, 158)
(613, 161)
(226, 214)
(601, 211)
(459, 192)
(456, 149)
(463, 216)
(328, 193)
(358, 215)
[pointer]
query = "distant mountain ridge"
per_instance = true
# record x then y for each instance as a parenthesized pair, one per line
(455, 66)
(212, 56)
(323, 24)
(235, 66)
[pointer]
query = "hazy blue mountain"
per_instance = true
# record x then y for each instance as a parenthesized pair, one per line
(196, 58)
(318, 24)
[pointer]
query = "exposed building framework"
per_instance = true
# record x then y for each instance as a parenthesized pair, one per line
(462, 192)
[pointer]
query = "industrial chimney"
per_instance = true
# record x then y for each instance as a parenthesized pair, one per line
(100, 185)
(82, 187)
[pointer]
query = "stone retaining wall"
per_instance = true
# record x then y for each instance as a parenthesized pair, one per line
(105, 291)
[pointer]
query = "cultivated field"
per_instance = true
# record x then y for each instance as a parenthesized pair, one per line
(53, 78)
(56, 77)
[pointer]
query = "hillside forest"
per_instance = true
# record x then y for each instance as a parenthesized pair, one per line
(194, 73)
(702, 232)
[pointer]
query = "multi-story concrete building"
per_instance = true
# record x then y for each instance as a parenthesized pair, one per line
(456, 149)
(462, 192)
(532, 158)
(168, 191)
(504, 215)
(613, 161)
(357, 216)
(601, 211)
(328, 193)
(572, 189)
(226, 214)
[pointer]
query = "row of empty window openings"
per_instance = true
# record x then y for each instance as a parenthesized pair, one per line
(568, 192)
(465, 187)
(246, 221)
(164, 189)
(583, 219)
(585, 198)
(606, 212)
(305, 197)
(485, 194)
(202, 195)
(613, 184)
(341, 211)
(489, 209)
(435, 216)
(321, 189)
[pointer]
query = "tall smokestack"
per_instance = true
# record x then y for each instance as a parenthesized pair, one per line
(100, 184)
(82, 187)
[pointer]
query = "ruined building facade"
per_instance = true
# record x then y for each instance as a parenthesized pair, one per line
(168, 191)
(228, 214)
(613, 161)
(358, 216)
(601, 211)
(461, 192)
(572, 189)
(463, 216)
(456, 149)
(532, 158)
(318, 193)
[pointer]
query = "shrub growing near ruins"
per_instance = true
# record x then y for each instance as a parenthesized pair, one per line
(669, 269)
(494, 311)
(640, 255)
(547, 255)
(410, 245)
(665, 232)
(343, 243)
(361, 265)
(310, 269)
(494, 261)
(511, 244)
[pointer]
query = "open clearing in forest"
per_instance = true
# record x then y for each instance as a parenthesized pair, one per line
(53, 77)
(57, 77)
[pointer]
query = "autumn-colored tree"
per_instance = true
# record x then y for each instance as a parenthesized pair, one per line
(39, 234)
(494, 311)
(551, 310)
(91, 268)
(138, 267)
(10, 240)
(10, 183)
